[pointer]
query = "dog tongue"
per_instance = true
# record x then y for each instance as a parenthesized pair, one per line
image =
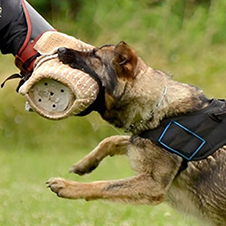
(55, 90)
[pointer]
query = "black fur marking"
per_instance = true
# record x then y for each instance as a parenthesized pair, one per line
(111, 81)
(114, 186)
(98, 105)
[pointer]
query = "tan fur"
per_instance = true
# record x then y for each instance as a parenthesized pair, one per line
(139, 100)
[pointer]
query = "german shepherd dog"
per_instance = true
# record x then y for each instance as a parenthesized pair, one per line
(137, 98)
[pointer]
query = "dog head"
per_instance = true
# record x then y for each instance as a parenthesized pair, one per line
(108, 63)
(117, 68)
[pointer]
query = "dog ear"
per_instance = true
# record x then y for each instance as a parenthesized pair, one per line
(125, 60)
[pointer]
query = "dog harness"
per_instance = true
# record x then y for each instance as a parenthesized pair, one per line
(193, 136)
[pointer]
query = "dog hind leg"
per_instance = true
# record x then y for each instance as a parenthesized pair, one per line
(114, 145)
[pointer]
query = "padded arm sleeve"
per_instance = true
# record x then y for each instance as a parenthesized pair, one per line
(13, 26)
(19, 24)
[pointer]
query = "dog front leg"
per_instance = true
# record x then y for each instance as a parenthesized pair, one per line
(141, 189)
(114, 145)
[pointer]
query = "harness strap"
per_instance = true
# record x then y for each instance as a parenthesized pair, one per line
(11, 77)
(220, 116)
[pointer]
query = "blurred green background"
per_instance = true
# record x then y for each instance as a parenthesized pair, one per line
(185, 38)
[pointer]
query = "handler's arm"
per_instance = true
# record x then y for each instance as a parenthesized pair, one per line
(20, 28)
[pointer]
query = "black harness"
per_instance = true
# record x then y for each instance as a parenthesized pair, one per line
(192, 136)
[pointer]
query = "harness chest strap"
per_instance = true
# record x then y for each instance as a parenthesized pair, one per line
(192, 136)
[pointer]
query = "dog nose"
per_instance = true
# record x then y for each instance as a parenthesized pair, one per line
(62, 50)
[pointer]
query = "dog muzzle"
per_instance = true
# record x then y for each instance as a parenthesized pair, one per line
(55, 90)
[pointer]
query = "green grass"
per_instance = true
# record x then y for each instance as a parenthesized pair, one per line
(25, 200)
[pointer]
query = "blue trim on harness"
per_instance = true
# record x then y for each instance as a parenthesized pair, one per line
(176, 151)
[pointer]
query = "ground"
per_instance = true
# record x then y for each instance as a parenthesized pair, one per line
(26, 201)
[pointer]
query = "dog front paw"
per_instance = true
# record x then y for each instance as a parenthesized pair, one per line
(57, 185)
(68, 189)
(84, 166)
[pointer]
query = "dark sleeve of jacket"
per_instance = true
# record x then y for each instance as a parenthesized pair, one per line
(13, 26)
